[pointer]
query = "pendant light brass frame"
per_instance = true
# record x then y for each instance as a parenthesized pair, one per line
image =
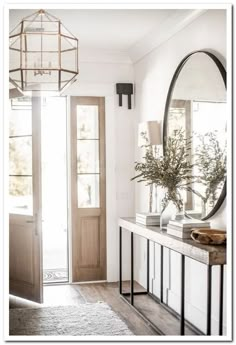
(35, 75)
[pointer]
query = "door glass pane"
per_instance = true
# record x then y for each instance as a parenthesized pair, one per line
(87, 122)
(20, 122)
(87, 156)
(177, 119)
(20, 190)
(20, 156)
(88, 191)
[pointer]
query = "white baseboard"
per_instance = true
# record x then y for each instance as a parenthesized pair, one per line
(155, 287)
(194, 315)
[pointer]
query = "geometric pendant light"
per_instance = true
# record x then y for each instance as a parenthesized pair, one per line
(43, 54)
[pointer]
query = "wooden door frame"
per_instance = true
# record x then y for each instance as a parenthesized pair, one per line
(37, 184)
(72, 173)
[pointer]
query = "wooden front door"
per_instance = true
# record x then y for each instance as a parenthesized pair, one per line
(25, 242)
(88, 189)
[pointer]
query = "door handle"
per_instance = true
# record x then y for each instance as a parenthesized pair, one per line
(36, 224)
(35, 221)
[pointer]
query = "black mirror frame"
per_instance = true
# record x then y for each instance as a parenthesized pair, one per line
(167, 105)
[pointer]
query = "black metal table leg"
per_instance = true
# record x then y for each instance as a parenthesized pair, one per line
(132, 270)
(209, 271)
(221, 300)
(120, 259)
(182, 322)
(161, 274)
(147, 266)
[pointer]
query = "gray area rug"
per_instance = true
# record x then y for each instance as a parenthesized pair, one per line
(86, 319)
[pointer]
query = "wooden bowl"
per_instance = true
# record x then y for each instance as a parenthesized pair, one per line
(209, 236)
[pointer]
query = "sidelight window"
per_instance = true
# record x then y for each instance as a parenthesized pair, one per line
(88, 143)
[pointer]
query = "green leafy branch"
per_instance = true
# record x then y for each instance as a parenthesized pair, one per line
(173, 171)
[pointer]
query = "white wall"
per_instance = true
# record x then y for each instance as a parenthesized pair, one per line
(99, 79)
(153, 74)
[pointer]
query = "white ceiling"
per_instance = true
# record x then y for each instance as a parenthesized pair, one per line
(104, 29)
(115, 30)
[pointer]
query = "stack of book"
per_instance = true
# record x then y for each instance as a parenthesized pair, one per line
(182, 228)
(148, 218)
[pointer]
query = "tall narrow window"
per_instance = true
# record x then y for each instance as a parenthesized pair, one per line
(88, 170)
(20, 157)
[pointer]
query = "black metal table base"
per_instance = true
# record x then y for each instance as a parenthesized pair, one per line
(129, 296)
(150, 323)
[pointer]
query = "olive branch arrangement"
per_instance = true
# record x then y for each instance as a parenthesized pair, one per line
(173, 171)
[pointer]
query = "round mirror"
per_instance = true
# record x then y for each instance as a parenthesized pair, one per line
(196, 104)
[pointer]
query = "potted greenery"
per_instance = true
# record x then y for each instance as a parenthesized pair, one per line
(172, 171)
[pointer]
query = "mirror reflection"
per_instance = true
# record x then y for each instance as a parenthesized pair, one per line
(198, 106)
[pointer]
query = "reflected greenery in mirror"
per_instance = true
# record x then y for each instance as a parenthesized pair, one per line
(210, 162)
(196, 104)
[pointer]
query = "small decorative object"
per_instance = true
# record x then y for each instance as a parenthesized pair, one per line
(172, 172)
(182, 228)
(124, 89)
(148, 218)
(149, 136)
(43, 54)
(209, 236)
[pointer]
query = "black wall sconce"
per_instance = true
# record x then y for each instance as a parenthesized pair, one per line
(124, 89)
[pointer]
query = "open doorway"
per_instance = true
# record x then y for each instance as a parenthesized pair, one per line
(54, 189)
(39, 163)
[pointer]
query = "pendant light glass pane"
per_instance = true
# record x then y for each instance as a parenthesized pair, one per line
(66, 78)
(16, 30)
(66, 32)
(47, 81)
(15, 42)
(43, 26)
(16, 78)
(69, 60)
(14, 57)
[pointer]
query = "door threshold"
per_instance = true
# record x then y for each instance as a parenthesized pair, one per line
(55, 283)
(89, 282)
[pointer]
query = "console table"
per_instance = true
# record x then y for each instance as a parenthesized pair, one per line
(207, 254)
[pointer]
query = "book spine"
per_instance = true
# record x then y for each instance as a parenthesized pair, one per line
(146, 223)
(149, 219)
(189, 226)
(178, 234)
(146, 216)
(177, 228)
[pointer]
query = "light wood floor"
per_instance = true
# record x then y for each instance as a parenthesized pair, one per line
(108, 292)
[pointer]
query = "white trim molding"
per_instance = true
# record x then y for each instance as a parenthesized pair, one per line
(163, 32)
